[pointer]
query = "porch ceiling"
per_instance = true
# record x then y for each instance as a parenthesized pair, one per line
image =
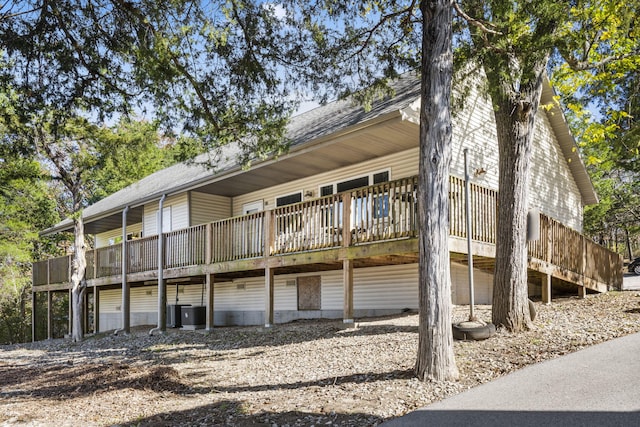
(381, 139)
(134, 216)
(388, 136)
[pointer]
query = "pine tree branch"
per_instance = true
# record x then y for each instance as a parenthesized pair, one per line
(474, 22)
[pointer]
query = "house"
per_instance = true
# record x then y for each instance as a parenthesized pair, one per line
(328, 229)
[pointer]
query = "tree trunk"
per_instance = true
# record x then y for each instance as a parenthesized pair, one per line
(78, 283)
(515, 115)
(435, 360)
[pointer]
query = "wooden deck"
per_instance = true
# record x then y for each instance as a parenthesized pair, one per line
(370, 226)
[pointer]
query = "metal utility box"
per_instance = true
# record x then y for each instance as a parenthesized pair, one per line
(174, 315)
(194, 317)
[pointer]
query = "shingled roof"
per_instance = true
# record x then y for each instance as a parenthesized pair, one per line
(302, 129)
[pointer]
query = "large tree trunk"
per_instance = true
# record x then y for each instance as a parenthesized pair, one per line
(435, 360)
(78, 284)
(515, 115)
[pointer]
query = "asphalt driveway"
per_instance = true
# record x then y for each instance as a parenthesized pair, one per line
(630, 282)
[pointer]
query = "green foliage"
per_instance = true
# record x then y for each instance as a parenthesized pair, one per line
(218, 72)
(125, 154)
(604, 105)
(26, 206)
(358, 47)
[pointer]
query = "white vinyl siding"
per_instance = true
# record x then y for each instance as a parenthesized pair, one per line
(104, 239)
(482, 285)
(401, 165)
(552, 188)
(179, 206)
(239, 295)
(207, 208)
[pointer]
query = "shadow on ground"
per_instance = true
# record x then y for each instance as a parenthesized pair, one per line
(233, 414)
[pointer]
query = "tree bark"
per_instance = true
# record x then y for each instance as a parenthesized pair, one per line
(515, 113)
(435, 360)
(78, 283)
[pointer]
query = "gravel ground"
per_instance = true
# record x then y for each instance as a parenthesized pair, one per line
(299, 374)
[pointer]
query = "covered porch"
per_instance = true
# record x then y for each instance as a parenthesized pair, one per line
(365, 227)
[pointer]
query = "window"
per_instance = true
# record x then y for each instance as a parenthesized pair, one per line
(380, 177)
(326, 190)
(166, 219)
(356, 182)
(289, 199)
(381, 206)
(370, 206)
(252, 207)
(352, 183)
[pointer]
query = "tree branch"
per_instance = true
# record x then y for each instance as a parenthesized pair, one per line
(81, 56)
(584, 65)
(474, 22)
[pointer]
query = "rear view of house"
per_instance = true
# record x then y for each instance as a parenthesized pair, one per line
(327, 230)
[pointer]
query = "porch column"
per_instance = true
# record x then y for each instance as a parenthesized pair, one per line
(70, 326)
(96, 310)
(546, 289)
(162, 289)
(85, 310)
(33, 316)
(268, 296)
(269, 237)
(347, 275)
(126, 292)
(210, 280)
(49, 316)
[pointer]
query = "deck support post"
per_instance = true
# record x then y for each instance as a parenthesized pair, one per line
(49, 315)
(582, 290)
(209, 281)
(546, 289)
(268, 296)
(269, 238)
(85, 311)
(347, 264)
(33, 316)
(126, 290)
(347, 275)
(96, 310)
(70, 326)
(162, 288)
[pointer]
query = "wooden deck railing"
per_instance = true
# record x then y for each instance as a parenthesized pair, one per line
(375, 213)
(142, 254)
(311, 225)
(566, 248)
(238, 238)
(385, 211)
(185, 247)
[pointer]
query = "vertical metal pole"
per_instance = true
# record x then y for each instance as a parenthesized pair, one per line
(33, 315)
(96, 309)
(162, 290)
(49, 315)
(126, 293)
(467, 200)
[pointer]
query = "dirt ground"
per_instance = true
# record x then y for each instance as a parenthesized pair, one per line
(299, 374)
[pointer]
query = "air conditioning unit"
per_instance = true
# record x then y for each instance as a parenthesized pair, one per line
(194, 317)
(174, 315)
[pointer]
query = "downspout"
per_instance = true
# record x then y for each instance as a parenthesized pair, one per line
(162, 291)
(126, 297)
